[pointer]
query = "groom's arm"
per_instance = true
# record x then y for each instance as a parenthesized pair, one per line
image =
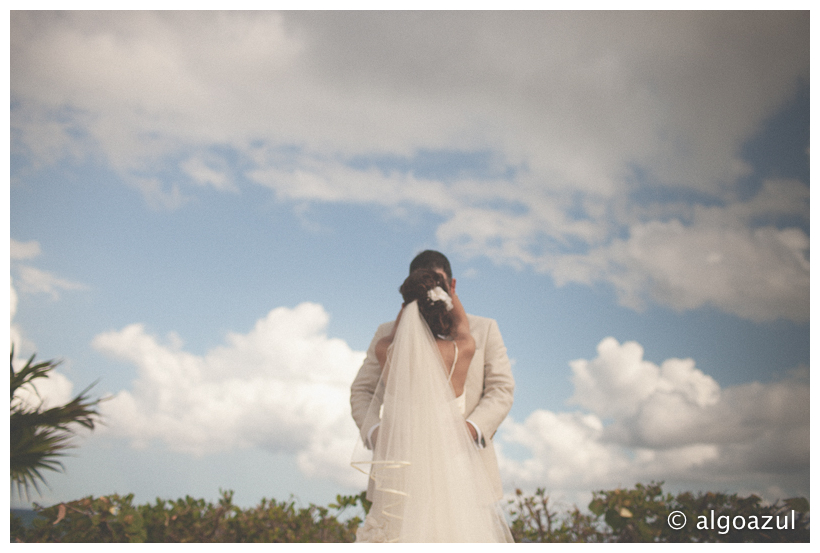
(499, 385)
(364, 386)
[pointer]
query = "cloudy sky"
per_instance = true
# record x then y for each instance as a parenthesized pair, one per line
(210, 214)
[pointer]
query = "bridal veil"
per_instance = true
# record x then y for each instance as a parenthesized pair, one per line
(429, 483)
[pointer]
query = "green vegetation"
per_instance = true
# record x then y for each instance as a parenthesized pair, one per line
(112, 519)
(642, 514)
(634, 515)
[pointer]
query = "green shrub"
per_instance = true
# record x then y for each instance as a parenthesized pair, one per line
(641, 515)
(534, 520)
(115, 519)
(621, 515)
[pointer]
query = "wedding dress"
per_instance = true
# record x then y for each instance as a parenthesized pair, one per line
(430, 483)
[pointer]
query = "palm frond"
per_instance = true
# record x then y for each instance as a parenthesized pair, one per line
(38, 437)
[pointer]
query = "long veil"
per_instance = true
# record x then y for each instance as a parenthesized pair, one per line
(429, 483)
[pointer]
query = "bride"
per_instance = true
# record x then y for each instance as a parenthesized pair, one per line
(430, 483)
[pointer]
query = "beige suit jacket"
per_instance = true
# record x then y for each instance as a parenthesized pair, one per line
(489, 388)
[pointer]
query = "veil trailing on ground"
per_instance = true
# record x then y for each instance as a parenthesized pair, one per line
(429, 483)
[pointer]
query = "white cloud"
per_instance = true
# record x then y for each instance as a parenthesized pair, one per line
(718, 257)
(16, 335)
(24, 250)
(158, 195)
(33, 280)
(203, 173)
(284, 387)
(568, 103)
(36, 281)
(12, 300)
(572, 95)
(320, 180)
(670, 422)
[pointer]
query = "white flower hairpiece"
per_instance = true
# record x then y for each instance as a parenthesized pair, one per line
(438, 294)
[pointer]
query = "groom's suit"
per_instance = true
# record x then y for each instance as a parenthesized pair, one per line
(489, 389)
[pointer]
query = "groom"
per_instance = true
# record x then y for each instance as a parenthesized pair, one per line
(489, 386)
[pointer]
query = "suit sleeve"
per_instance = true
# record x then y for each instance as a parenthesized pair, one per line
(499, 385)
(364, 385)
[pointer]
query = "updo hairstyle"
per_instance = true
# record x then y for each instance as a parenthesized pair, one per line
(415, 288)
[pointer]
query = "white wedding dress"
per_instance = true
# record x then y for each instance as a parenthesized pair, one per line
(430, 483)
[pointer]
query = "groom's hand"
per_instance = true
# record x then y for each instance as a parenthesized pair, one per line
(471, 430)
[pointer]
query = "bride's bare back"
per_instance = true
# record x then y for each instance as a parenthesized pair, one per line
(466, 347)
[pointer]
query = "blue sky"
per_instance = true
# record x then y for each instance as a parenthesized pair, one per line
(210, 214)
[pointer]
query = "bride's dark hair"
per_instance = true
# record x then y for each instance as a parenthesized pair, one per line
(415, 287)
